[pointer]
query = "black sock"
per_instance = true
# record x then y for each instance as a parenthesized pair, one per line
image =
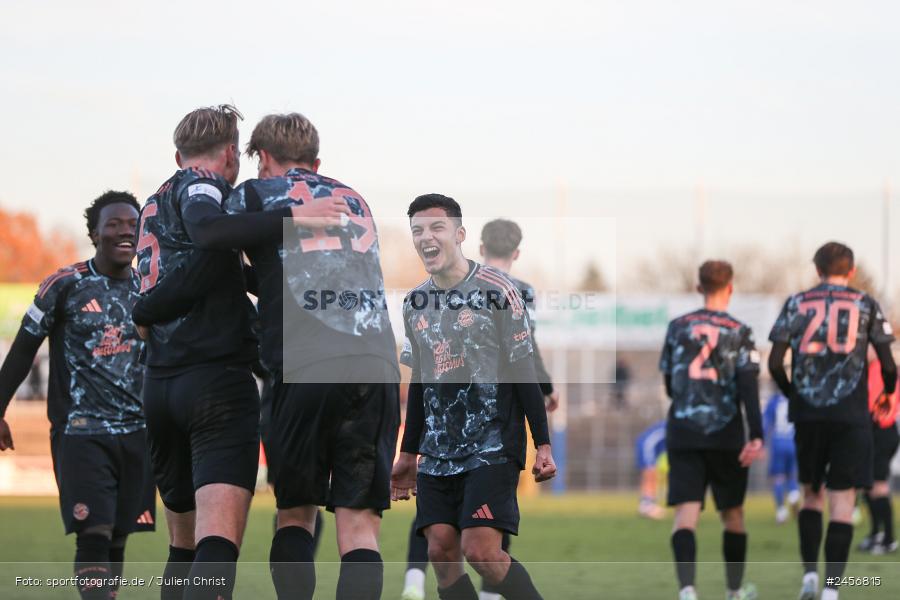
(362, 575)
(881, 514)
(684, 546)
(92, 566)
(213, 571)
(291, 563)
(317, 534)
(837, 549)
(462, 589)
(176, 572)
(517, 583)
(887, 519)
(116, 565)
(810, 524)
(873, 514)
(417, 553)
(734, 549)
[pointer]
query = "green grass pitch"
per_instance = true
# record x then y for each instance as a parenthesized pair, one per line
(575, 546)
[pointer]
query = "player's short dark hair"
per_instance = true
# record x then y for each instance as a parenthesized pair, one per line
(834, 258)
(424, 202)
(206, 129)
(715, 275)
(92, 213)
(501, 237)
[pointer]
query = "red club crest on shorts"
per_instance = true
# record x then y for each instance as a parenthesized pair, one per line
(466, 317)
(81, 511)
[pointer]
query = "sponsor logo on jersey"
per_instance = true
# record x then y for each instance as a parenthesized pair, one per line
(444, 362)
(92, 306)
(422, 323)
(112, 343)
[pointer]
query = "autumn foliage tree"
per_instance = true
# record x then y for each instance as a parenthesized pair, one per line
(27, 255)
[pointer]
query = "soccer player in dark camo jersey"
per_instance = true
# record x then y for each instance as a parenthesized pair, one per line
(473, 382)
(335, 406)
(200, 398)
(500, 241)
(828, 329)
(711, 367)
(97, 430)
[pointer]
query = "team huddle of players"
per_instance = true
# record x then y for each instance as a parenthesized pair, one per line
(711, 366)
(152, 384)
(152, 376)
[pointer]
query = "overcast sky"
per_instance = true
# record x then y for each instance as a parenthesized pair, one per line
(783, 116)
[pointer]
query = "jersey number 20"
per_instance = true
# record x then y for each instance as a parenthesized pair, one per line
(817, 307)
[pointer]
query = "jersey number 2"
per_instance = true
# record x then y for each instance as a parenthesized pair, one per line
(711, 333)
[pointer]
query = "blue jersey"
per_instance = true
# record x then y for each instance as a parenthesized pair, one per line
(95, 377)
(776, 423)
(650, 445)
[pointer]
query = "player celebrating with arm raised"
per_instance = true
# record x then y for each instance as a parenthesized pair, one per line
(473, 382)
(97, 431)
(711, 368)
(828, 329)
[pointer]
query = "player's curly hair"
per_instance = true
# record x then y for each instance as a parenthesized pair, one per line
(501, 238)
(92, 213)
(715, 275)
(834, 258)
(206, 129)
(424, 202)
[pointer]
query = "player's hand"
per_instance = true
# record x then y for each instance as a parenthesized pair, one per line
(551, 401)
(883, 406)
(6, 441)
(544, 467)
(752, 450)
(403, 477)
(143, 331)
(321, 213)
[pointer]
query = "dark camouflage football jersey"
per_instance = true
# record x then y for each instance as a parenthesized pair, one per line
(334, 306)
(460, 344)
(95, 377)
(703, 353)
(217, 328)
(829, 329)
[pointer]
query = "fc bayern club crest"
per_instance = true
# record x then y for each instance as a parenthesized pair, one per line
(466, 317)
(81, 511)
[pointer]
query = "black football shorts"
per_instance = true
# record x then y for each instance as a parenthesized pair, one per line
(203, 428)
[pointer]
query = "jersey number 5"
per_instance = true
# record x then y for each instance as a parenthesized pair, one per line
(148, 240)
(711, 335)
(808, 346)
